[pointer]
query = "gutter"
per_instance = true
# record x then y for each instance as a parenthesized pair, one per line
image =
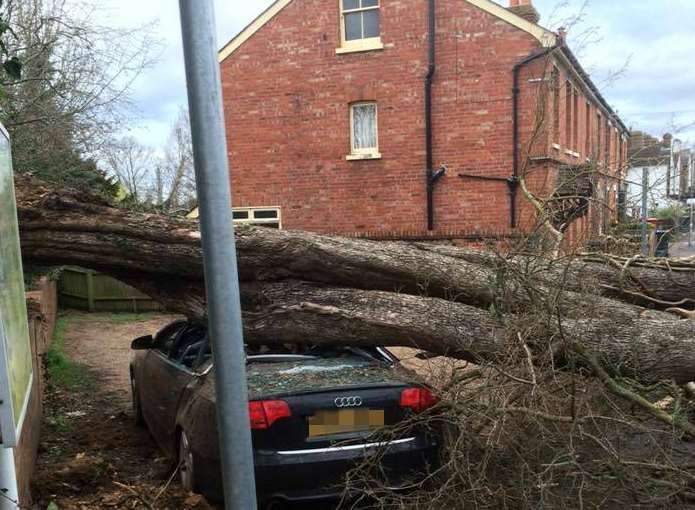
(432, 175)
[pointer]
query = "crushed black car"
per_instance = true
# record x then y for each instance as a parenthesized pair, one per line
(315, 412)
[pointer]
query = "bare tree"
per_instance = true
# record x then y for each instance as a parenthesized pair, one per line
(132, 164)
(77, 74)
(176, 184)
(165, 182)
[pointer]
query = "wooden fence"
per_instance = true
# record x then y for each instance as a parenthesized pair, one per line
(41, 312)
(88, 290)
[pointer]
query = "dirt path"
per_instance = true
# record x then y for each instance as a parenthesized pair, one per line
(101, 342)
(92, 455)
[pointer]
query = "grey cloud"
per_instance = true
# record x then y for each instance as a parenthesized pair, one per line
(655, 93)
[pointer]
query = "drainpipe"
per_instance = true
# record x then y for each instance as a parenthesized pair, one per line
(513, 181)
(432, 176)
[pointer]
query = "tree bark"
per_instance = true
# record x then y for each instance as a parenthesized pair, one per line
(299, 312)
(304, 287)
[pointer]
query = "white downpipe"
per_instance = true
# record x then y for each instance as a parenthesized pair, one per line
(8, 480)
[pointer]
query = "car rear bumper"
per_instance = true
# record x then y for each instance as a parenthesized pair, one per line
(312, 474)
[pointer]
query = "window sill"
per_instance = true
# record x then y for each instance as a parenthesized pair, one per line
(357, 47)
(360, 157)
(556, 146)
(572, 153)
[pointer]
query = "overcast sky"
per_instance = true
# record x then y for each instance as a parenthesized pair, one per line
(653, 43)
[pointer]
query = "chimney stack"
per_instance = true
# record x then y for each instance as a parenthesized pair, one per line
(562, 34)
(525, 9)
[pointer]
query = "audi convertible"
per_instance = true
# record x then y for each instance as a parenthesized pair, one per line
(315, 413)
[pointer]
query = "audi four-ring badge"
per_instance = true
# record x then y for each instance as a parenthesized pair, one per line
(348, 401)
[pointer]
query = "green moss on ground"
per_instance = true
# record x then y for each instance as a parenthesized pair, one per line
(62, 371)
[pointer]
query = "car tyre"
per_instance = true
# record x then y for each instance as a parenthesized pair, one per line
(186, 464)
(137, 406)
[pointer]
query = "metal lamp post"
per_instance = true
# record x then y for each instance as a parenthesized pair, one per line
(219, 251)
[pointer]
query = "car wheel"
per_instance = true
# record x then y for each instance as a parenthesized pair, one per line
(137, 406)
(186, 464)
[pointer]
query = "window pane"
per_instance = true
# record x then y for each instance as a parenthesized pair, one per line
(364, 126)
(371, 23)
(370, 3)
(353, 26)
(265, 214)
(351, 4)
(240, 215)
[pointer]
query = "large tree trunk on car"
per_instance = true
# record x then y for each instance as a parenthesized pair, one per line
(299, 286)
(293, 312)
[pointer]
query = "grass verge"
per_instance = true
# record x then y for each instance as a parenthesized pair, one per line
(60, 369)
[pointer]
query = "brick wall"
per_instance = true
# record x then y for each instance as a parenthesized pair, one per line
(579, 132)
(287, 96)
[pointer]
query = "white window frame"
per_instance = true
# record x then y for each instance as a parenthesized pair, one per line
(367, 152)
(367, 44)
(252, 220)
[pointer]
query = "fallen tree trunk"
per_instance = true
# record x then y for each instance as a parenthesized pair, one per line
(637, 280)
(300, 287)
(61, 228)
(297, 312)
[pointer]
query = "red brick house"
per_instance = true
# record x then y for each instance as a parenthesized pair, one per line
(330, 128)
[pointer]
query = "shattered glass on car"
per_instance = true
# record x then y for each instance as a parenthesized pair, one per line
(281, 378)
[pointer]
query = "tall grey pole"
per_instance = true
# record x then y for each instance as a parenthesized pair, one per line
(645, 190)
(219, 251)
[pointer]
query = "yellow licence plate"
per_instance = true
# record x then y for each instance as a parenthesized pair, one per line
(327, 423)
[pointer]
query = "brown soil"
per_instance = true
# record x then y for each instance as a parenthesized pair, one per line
(92, 455)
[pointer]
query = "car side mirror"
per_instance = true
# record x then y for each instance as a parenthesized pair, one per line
(142, 343)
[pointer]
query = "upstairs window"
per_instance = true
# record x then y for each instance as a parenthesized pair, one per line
(587, 133)
(364, 131)
(575, 120)
(361, 18)
(607, 148)
(568, 115)
(555, 84)
(360, 25)
(598, 148)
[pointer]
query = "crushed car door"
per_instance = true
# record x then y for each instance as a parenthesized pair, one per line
(147, 372)
(171, 372)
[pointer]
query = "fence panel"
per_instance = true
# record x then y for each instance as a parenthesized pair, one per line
(88, 290)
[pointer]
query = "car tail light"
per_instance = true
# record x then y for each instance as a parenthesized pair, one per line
(418, 399)
(262, 414)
